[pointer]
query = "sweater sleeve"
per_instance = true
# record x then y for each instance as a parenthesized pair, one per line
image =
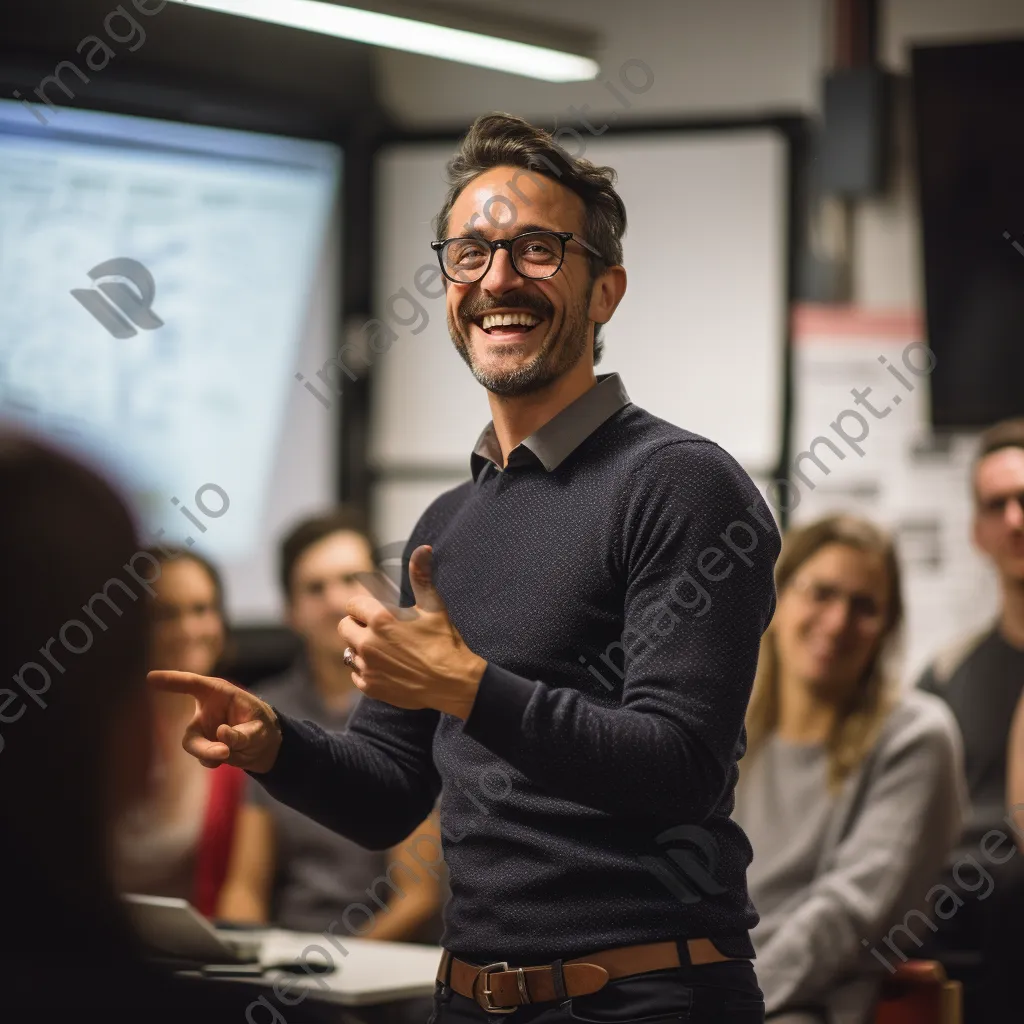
(875, 882)
(694, 611)
(373, 783)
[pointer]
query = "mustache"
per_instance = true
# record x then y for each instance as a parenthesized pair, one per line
(469, 311)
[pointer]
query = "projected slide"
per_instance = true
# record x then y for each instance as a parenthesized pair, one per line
(155, 282)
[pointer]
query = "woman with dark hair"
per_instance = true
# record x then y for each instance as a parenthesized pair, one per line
(851, 791)
(178, 843)
(75, 751)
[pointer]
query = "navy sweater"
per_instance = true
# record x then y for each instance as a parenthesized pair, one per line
(619, 601)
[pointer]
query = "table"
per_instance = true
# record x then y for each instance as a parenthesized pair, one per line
(365, 972)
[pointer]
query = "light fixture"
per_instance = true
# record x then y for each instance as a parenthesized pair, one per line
(415, 35)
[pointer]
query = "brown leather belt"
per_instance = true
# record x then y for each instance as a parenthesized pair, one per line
(499, 988)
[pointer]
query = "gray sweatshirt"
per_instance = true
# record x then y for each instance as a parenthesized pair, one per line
(834, 877)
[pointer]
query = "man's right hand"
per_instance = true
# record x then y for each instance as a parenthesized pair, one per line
(230, 725)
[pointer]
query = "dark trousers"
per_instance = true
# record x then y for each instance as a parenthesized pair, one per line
(725, 993)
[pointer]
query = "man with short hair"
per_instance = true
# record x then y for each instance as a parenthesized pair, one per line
(285, 869)
(574, 651)
(981, 676)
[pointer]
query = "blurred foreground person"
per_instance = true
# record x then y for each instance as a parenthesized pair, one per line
(287, 869)
(76, 751)
(178, 842)
(850, 791)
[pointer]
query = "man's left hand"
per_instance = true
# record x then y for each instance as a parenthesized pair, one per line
(412, 657)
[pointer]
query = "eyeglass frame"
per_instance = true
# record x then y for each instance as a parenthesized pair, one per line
(995, 508)
(506, 243)
(827, 593)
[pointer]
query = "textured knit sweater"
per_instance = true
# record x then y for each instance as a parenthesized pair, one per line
(618, 593)
(836, 877)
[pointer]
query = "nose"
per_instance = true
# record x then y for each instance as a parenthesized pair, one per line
(501, 276)
(1015, 512)
(837, 617)
(338, 595)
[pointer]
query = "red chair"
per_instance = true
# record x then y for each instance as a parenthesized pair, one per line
(920, 993)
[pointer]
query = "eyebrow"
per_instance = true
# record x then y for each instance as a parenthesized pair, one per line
(519, 229)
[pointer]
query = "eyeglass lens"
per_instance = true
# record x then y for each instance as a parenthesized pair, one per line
(536, 254)
(861, 606)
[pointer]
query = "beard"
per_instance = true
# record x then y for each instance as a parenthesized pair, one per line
(560, 351)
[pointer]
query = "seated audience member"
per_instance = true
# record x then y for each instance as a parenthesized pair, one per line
(1003, 936)
(850, 791)
(287, 869)
(981, 677)
(179, 841)
(75, 752)
(1015, 777)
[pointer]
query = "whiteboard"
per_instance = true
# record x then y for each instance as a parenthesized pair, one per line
(698, 338)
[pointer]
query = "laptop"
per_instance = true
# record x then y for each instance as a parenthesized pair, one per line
(173, 929)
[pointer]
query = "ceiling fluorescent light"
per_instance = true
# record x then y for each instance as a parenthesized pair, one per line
(412, 35)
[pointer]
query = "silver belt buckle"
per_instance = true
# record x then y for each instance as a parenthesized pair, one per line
(485, 973)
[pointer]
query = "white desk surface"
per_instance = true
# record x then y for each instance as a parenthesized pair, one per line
(366, 972)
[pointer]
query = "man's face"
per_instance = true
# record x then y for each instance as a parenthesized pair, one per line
(323, 581)
(999, 510)
(517, 360)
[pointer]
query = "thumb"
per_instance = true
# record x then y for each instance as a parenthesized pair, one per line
(237, 737)
(421, 579)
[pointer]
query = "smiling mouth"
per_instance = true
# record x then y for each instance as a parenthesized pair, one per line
(507, 326)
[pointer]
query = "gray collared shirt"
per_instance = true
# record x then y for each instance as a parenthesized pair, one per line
(559, 437)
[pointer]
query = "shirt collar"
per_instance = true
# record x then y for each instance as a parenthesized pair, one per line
(553, 442)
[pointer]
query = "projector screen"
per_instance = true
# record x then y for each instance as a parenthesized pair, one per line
(161, 284)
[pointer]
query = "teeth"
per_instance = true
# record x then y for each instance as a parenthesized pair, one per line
(507, 319)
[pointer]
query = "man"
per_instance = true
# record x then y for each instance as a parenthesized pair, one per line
(982, 678)
(286, 869)
(585, 631)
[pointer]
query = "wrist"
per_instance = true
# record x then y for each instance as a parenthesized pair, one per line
(275, 739)
(462, 704)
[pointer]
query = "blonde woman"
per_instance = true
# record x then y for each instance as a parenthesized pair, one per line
(851, 790)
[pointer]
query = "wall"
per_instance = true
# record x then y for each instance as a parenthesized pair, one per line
(717, 57)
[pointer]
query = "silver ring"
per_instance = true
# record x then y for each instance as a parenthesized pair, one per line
(349, 657)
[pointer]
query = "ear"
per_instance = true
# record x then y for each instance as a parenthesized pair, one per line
(607, 293)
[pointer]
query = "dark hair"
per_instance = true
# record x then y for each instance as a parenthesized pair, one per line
(67, 541)
(504, 140)
(1004, 434)
(165, 553)
(310, 531)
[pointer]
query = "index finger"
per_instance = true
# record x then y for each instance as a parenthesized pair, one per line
(191, 683)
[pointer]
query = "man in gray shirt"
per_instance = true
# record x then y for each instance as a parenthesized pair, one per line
(981, 677)
(286, 868)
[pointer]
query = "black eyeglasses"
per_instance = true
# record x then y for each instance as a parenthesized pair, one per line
(863, 608)
(534, 254)
(996, 507)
